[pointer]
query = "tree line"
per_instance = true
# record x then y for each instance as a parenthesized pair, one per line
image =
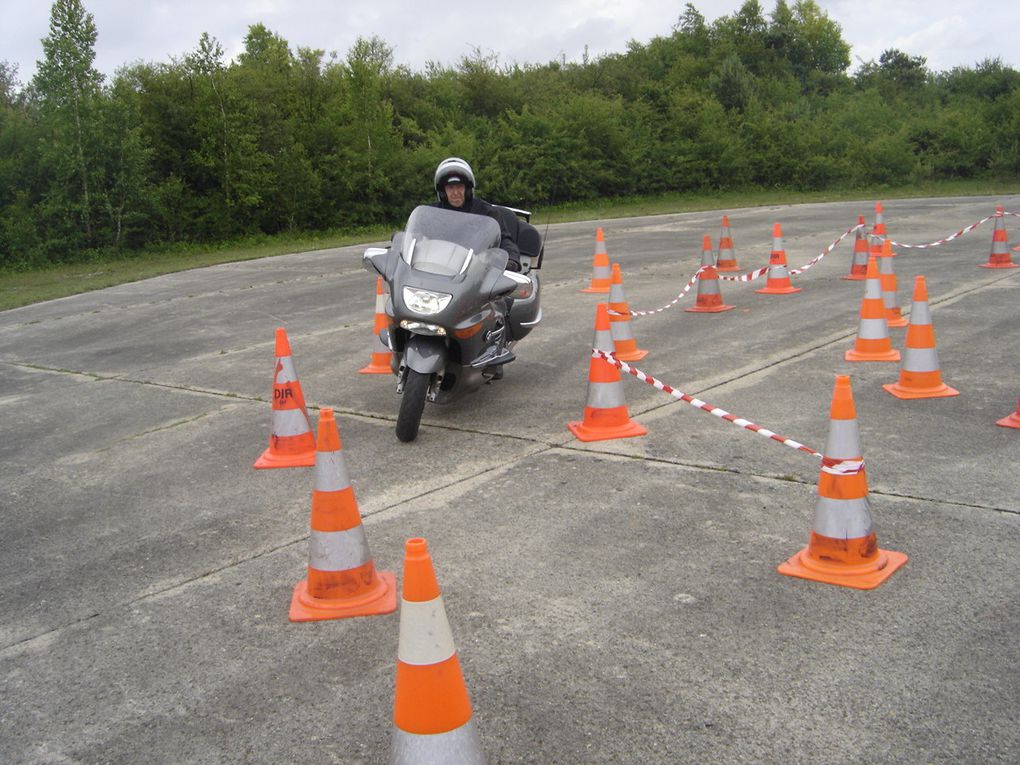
(201, 149)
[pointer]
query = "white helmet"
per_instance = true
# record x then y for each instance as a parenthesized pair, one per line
(454, 170)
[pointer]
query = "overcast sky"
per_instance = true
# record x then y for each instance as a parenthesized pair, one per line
(947, 33)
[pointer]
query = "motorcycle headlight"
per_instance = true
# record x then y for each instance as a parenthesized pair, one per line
(425, 302)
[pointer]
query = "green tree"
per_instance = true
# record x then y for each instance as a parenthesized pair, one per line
(69, 90)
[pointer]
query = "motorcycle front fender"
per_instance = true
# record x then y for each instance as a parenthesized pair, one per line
(425, 354)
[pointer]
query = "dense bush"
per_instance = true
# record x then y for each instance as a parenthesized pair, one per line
(203, 149)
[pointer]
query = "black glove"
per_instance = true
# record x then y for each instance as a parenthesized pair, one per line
(513, 265)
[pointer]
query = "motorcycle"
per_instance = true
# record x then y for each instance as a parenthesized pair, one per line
(455, 312)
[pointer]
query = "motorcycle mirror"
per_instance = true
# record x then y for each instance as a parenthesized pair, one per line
(368, 260)
(513, 284)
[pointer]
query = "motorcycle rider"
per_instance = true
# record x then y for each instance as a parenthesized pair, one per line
(455, 188)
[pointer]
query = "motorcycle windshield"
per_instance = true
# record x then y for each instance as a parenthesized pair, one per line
(440, 240)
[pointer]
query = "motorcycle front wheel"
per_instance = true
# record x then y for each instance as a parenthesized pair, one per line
(412, 403)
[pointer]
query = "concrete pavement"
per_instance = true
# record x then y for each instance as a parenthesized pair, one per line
(612, 602)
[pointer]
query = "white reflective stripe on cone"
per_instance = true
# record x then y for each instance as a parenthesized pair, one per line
(844, 440)
(873, 329)
(330, 472)
(290, 422)
(779, 271)
(873, 289)
(708, 286)
(601, 272)
(425, 636)
(380, 346)
(338, 550)
(920, 360)
(920, 314)
(605, 395)
(604, 340)
(842, 518)
(286, 372)
(621, 330)
(616, 293)
(460, 746)
(380, 303)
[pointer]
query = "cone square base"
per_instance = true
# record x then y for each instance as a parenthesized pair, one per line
(1012, 421)
(629, 429)
(376, 369)
(597, 289)
(635, 355)
(778, 290)
(939, 391)
(898, 321)
(864, 576)
(1000, 265)
(854, 277)
(270, 459)
(854, 355)
(709, 309)
(304, 607)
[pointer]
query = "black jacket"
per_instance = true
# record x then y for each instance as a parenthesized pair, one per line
(481, 207)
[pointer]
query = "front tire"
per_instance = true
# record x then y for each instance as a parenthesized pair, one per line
(412, 403)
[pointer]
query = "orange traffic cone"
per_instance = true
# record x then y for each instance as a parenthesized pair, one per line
(600, 266)
(890, 294)
(624, 344)
(1011, 420)
(879, 228)
(878, 232)
(843, 546)
(709, 297)
(342, 580)
(605, 415)
(727, 260)
(778, 281)
(872, 343)
(291, 443)
(381, 355)
(859, 265)
(999, 256)
(919, 374)
(432, 717)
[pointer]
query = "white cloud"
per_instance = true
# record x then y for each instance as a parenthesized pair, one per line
(947, 34)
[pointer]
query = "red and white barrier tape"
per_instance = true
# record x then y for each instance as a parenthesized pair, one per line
(835, 467)
(673, 302)
(948, 239)
(748, 277)
(759, 272)
(830, 248)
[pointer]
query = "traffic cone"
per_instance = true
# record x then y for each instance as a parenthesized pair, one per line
(291, 443)
(709, 297)
(624, 344)
(380, 363)
(890, 295)
(600, 266)
(859, 265)
(843, 546)
(433, 721)
(605, 415)
(1011, 420)
(727, 260)
(999, 256)
(872, 343)
(878, 232)
(919, 374)
(879, 228)
(778, 281)
(342, 580)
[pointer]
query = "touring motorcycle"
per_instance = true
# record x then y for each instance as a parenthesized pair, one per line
(455, 312)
